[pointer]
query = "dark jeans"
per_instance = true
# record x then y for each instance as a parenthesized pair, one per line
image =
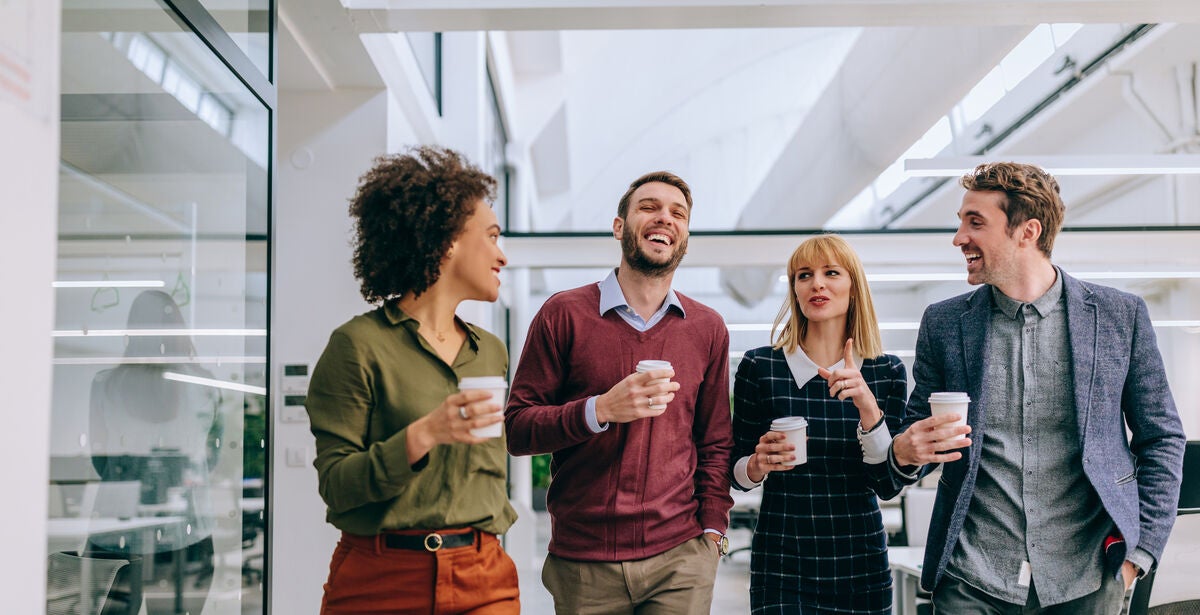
(954, 597)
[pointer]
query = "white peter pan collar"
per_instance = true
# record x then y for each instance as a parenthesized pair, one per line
(803, 369)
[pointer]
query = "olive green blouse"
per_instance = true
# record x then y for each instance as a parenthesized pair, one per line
(376, 376)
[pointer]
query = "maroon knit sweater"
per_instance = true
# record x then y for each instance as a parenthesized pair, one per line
(641, 488)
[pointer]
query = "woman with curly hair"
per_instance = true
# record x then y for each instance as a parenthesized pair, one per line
(418, 498)
(819, 545)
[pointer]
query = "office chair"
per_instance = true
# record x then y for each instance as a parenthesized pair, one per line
(92, 584)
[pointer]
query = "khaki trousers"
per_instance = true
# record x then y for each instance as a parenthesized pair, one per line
(677, 582)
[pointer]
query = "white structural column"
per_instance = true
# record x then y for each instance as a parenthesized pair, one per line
(326, 141)
(29, 121)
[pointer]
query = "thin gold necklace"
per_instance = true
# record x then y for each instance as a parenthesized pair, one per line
(440, 335)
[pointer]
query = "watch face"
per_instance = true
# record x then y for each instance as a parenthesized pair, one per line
(723, 545)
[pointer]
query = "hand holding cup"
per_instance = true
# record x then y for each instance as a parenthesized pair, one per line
(642, 394)
(774, 452)
(937, 438)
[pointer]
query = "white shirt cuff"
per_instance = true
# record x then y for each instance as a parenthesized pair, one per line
(742, 475)
(589, 412)
(875, 443)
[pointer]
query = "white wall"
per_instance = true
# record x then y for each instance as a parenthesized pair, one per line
(326, 141)
(28, 220)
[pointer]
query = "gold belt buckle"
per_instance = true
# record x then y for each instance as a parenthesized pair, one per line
(433, 542)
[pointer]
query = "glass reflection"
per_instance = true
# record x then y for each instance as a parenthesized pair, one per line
(159, 357)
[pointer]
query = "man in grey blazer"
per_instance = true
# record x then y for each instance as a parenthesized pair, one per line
(1045, 505)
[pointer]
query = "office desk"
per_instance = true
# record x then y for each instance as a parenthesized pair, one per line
(906, 578)
(71, 534)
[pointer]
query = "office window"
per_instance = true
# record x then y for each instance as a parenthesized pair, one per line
(248, 23)
(157, 452)
(427, 49)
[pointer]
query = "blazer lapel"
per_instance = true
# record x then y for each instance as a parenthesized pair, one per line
(973, 329)
(1081, 327)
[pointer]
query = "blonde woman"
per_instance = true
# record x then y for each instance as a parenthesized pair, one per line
(819, 545)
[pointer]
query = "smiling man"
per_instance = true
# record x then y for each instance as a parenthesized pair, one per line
(639, 499)
(1052, 508)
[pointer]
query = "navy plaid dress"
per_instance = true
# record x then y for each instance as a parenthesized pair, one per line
(819, 545)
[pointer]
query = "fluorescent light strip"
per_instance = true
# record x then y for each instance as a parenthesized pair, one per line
(159, 360)
(913, 325)
(108, 284)
(888, 326)
(916, 277)
(1093, 275)
(1138, 275)
(903, 354)
(216, 384)
(1143, 164)
(160, 332)
(749, 327)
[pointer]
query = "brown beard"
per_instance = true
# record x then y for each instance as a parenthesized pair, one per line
(641, 263)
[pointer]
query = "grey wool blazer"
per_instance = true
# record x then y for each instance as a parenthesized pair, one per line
(1120, 381)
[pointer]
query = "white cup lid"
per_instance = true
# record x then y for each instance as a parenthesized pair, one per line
(788, 423)
(482, 382)
(949, 397)
(647, 365)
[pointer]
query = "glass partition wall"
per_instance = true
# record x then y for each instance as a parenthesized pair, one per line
(157, 462)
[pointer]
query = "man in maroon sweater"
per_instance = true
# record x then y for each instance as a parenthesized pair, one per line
(639, 500)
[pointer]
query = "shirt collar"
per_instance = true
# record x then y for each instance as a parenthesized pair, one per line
(803, 369)
(1043, 305)
(396, 316)
(611, 296)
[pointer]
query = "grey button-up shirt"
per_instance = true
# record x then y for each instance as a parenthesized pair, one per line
(1032, 502)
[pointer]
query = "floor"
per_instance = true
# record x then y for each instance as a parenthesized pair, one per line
(731, 594)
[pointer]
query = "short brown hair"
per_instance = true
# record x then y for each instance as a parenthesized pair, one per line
(665, 177)
(1030, 193)
(408, 210)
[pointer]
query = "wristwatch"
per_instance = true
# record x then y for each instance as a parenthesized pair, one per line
(723, 545)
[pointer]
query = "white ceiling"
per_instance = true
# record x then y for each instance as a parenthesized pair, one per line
(774, 127)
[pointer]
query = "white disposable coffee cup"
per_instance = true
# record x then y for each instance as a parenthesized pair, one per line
(649, 365)
(795, 429)
(498, 387)
(950, 402)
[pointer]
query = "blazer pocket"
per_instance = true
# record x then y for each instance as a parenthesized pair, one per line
(1128, 478)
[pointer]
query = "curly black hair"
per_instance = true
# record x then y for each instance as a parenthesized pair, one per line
(408, 210)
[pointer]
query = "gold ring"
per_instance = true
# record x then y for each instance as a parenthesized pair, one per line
(462, 411)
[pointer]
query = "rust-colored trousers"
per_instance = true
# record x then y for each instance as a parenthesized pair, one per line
(368, 577)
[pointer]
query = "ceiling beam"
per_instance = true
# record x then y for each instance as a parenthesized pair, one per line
(908, 251)
(323, 31)
(449, 15)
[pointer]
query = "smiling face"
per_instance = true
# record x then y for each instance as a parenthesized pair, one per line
(476, 258)
(654, 232)
(823, 291)
(993, 253)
